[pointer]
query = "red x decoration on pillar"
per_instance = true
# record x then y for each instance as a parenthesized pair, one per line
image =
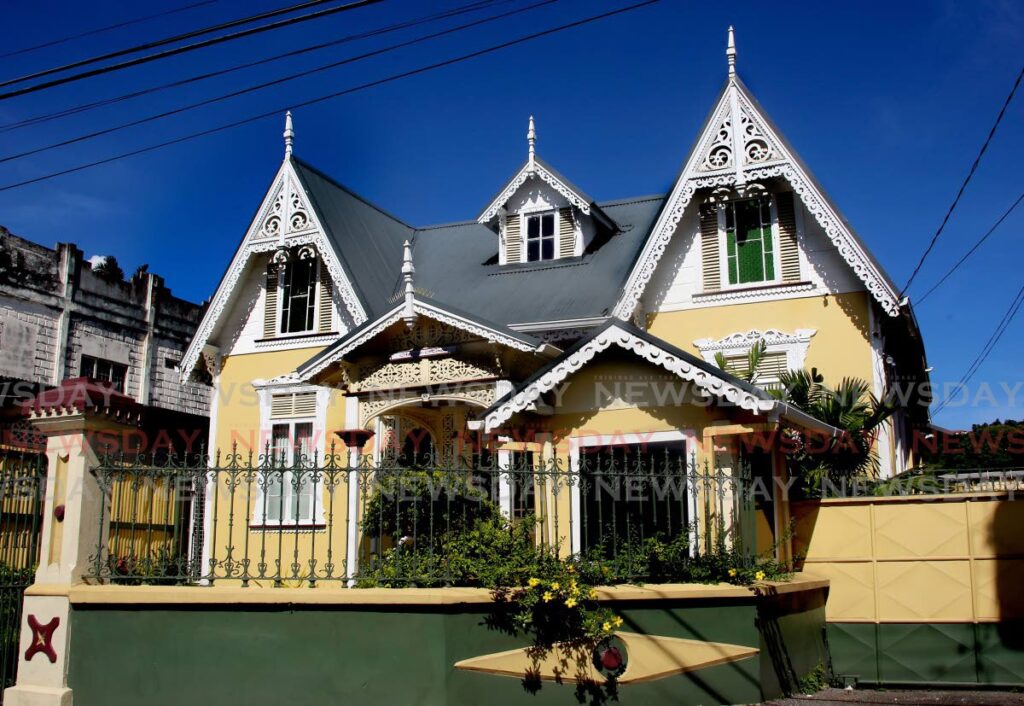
(42, 636)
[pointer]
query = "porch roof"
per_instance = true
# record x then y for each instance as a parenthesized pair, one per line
(711, 379)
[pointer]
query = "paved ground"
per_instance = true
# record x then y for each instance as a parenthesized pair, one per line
(837, 697)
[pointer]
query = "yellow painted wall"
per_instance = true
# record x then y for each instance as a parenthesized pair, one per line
(841, 346)
(916, 559)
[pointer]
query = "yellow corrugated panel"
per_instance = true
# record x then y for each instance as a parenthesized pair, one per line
(931, 529)
(997, 588)
(851, 594)
(924, 591)
(833, 531)
(997, 528)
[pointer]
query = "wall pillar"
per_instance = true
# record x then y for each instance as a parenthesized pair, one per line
(79, 419)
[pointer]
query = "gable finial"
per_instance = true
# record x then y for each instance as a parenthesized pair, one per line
(289, 134)
(409, 313)
(730, 52)
(531, 139)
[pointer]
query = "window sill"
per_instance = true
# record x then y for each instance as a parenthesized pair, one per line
(288, 526)
(296, 337)
(755, 290)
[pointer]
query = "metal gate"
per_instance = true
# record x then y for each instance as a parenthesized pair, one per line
(22, 483)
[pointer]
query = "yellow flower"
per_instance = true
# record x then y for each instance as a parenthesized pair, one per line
(617, 622)
(555, 586)
(570, 602)
(593, 594)
(759, 576)
(605, 570)
(606, 626)
(533, 582)
(732, 573)
(548, 595)
(571, 569)
(573, 586)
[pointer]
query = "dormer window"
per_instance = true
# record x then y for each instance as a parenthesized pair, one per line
(540, 237)
(298, 296)
(750, 249)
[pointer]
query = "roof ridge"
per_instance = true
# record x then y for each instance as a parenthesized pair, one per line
(631, 199)
(324, 175)
(453, 224)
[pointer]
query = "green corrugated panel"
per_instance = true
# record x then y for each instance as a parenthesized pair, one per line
(926, 653)
(1000, 652)
(853, 647)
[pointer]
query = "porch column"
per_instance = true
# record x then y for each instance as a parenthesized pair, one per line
(781, 478)
(79, 420)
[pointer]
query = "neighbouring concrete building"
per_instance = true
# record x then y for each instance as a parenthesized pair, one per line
(60, 319)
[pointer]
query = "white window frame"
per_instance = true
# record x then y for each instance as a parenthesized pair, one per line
(266, 393)
(281, 274)
(736, 345)
(723, 249)
(524, 217)
(688, 437)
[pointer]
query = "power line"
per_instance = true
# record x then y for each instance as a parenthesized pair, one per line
(963, 186)
(274, 82)
(81, 108)
(146, 58)
(973, 249)
(990, 345)
(108, 28)
(320, 99)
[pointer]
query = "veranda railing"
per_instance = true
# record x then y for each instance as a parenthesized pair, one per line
(270, 520)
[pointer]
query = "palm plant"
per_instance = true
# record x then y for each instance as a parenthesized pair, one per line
(849, 407)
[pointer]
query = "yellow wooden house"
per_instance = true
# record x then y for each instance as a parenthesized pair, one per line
(551, 328)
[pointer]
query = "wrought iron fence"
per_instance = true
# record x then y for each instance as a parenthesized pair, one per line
(264, 520)
(22, 481)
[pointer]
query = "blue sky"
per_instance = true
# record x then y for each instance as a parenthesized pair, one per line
(887, 102)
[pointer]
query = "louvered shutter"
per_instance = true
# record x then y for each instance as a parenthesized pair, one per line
(326, 311)
(294, 404)
(789, 249)
(513, 243)
(566, 233)
(270, 303)
(709, 248)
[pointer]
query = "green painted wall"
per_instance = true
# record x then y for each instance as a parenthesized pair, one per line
(928, 653)
(336, 655)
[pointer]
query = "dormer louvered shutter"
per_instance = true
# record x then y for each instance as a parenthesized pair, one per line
(293, 404)
(789, 248)
(566, 233)
(270, 304)
(709, 248)
(513, 241)
(326, 311)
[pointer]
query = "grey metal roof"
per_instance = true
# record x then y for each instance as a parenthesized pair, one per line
(456, 264)
(367, 239)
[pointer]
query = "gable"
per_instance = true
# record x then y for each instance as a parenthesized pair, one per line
(285, 219)
(738, 146)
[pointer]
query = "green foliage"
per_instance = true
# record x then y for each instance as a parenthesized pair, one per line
(986, 446)
(814, 681)
(754, 356)
(849, 407)
(109, 270)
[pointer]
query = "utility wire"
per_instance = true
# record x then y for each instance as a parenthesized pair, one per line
(81, 108)
(108, 28)
(275, 82)
(146, 58)
(989, 346)
(320, 99)
(974, 248)
(963, 186)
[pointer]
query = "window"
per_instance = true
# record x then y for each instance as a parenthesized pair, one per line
(104, 371)
(769, 369)
(298, 296)
(540, 237)
(749, 242)
(288, 490)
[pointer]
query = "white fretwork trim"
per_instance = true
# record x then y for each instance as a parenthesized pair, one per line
(765, 293)
(773, 161)
(429, 311)
(794, 345)
(532, 169)
(709, 383)
(297, 224)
